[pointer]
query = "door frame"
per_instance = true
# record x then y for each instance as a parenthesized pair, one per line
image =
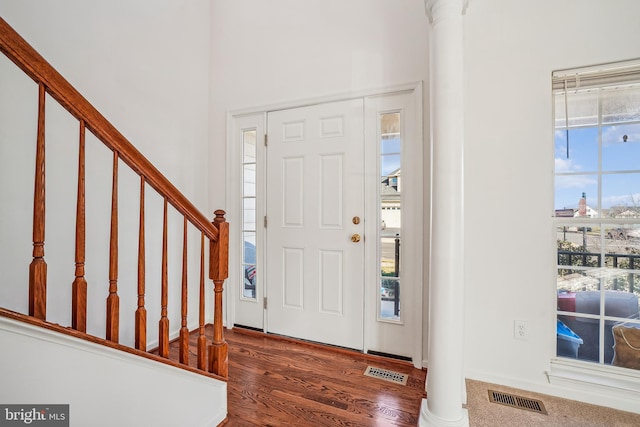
(234, 212)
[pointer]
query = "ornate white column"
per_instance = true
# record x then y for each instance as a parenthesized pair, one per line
(445, 375)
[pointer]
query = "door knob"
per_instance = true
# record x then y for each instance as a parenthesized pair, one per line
(355, 238)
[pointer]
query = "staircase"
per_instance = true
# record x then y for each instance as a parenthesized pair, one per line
(125, 370)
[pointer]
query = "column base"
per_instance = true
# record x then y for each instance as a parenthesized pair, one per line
(427, 419)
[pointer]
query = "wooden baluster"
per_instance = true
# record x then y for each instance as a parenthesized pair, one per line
(218, 272)
(141, 312)
(164, 320)
(79, 286)
(202, 339)
(38, 267)
(184, 331)
(113, 300)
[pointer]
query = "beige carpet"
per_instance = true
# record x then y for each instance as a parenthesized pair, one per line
(561, 412)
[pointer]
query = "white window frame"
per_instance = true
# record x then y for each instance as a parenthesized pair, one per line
(621, 384)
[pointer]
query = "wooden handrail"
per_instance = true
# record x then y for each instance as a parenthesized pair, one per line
(50, 81)
(38, 69)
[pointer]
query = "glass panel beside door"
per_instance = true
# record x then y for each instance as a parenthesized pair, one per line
(248, 290)
(390, 215)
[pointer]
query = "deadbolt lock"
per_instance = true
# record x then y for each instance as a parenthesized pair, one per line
(356, 220)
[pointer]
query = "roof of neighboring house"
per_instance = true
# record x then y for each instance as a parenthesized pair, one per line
(629, 213)
(388, 193)
(396, 172)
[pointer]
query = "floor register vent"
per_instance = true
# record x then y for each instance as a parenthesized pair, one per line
(517, 402)
(383, 374)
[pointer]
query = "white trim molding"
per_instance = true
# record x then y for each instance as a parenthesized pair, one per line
(619, 386)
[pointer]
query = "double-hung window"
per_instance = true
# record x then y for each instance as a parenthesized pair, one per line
(597, 211)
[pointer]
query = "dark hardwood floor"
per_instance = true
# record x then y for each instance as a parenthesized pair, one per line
(276, 381)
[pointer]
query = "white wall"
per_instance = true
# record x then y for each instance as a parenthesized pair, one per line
(144, 64)
(283, 51)
(511, 48)
(130, 59)
(266, 53)
(104, 387)
(286, 50)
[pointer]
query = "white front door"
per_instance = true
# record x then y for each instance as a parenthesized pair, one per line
(315, 223)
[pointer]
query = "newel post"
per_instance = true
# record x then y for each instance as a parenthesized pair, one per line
(218, 272)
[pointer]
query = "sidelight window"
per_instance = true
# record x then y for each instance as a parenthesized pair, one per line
(390, 215)
(249, 214)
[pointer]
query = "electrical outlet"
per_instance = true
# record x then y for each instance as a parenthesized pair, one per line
(520, 331)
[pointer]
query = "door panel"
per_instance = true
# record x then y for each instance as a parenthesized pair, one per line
(315, 186)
